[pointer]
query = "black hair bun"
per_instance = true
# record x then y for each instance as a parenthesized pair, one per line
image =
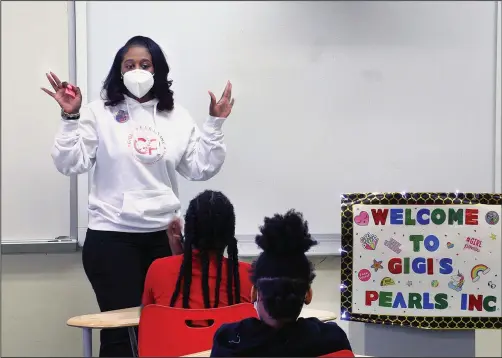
(285, 235)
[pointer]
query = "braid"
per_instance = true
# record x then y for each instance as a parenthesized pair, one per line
(219, 262)
(204, 260)
(210, 224)
(176, 292)
(184, 276)
(230, 276)
(235, 266)
(187, 273)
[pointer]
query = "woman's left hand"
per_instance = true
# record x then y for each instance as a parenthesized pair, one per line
(174, 236)
(223, 107)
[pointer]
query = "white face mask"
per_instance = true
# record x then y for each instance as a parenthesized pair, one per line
(138, 82)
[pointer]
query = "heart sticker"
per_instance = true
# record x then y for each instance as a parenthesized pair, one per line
(362, 219)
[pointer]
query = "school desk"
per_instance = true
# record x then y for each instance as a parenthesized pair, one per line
(208, 353)
(129, 318)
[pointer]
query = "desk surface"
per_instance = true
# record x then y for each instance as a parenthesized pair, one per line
(208, 353)
(129, 317)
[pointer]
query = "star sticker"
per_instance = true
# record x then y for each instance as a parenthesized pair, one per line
(409, 283)
(377, 265)
(493, 236)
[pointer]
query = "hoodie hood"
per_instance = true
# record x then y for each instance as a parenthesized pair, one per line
(304, 338)
(142, 112)
(132, 102)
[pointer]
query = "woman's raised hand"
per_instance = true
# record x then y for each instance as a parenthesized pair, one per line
(68, 103)
(223, 107)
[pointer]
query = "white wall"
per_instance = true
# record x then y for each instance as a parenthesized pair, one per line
(489, 342)
(39, 294)
(35, 197)
(81, 56)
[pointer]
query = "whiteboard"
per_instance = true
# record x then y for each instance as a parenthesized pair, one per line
(35, 196)
(331, 97)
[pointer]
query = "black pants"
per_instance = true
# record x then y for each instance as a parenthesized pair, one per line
(116, 264)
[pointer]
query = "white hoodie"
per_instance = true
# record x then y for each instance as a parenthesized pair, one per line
(134, 186)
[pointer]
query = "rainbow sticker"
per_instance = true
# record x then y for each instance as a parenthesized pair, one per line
(477, 271)
(387, 281)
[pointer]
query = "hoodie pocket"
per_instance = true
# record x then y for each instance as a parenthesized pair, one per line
(149, 205)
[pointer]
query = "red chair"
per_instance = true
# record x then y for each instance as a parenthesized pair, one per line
(344, 353)
(163, 331)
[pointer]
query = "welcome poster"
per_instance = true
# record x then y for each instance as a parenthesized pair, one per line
(428, 260)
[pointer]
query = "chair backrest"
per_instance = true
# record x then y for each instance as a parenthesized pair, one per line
(343, 353)
(164, 331)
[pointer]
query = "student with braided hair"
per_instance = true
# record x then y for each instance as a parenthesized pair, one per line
(282, 276)
(202, 277)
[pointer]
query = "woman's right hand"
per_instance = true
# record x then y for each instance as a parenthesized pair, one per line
(69, 104)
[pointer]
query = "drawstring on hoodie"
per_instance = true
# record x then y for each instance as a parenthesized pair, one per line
(236, 341)
(129, 113)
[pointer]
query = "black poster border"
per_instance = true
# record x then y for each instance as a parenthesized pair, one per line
(347, 202)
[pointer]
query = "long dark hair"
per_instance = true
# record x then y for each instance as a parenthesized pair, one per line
(283, 273)
(114, 88)
(209, 228)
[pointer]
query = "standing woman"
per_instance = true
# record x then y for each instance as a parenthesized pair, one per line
(136, 138)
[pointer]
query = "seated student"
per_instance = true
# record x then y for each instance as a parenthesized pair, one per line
(281, 276)
(201, 277)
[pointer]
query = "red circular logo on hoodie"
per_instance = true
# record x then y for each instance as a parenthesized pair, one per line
(146, 144)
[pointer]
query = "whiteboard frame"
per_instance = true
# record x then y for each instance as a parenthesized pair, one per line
(61, 243)
(72, 67)
(246, 242)
(498, 102)
(81, 79)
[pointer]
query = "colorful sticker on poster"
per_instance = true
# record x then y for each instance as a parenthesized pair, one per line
(427, 260)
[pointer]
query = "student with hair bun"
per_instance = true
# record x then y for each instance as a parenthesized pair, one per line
(281, 276)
